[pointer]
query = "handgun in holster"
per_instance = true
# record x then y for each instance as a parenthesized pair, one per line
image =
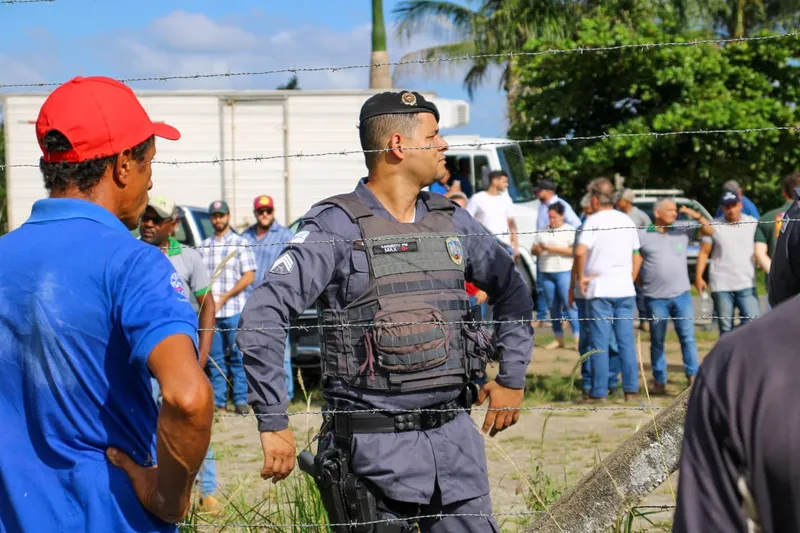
(344, 496)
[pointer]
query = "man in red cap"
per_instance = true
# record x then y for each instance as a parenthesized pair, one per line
(265, 236)
(88, 315)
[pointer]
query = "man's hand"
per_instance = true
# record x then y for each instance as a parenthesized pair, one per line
(701, 285)
(583, 283)
(481, 297)
(145, 486)
(219, 301)
(279, 454)
(500, 398)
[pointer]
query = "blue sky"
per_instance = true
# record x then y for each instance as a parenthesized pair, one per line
(52, 42)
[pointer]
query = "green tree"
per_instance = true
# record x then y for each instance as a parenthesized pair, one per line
(379, 77)
(292, 84)
(495, 27)
(661, 90)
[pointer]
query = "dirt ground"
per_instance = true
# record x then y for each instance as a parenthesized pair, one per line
(560, 445)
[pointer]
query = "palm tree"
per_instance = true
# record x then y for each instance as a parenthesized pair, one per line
(496, 27)
(379, 77)
(739, 18)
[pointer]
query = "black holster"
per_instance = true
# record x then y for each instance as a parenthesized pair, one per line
(344, 496)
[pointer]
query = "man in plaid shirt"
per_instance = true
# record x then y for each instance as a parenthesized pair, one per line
(228, 289)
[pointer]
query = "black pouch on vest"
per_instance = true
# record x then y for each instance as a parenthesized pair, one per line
(479, 344)
(409, 338)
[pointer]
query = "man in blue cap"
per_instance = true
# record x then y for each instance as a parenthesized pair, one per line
(387, 265)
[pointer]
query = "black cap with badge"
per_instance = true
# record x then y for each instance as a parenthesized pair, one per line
(394, 103)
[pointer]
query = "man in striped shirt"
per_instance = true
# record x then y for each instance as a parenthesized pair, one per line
(236, 273)
(268, 237)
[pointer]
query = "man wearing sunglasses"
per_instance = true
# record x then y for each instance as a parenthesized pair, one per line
(268, 236)
(156, 227)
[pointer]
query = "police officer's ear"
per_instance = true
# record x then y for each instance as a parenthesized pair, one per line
(395, 146)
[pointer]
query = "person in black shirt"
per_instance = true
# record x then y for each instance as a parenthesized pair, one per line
(738, 469)
(784, 272)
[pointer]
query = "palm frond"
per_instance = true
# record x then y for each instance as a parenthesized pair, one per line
(433, 61)
(417, 16)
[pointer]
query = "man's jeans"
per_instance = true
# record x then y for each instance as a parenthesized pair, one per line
(555, 286)
(681, 311)
(541, 301)
(641, 305)
(224, 342)
(724, 303)
(584, 347)
(622, 310)
(207, 477)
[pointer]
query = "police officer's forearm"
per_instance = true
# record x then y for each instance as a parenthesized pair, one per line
(261, 339)
(514, 339)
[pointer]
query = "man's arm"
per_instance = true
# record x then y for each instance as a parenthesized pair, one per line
(762, 258)
(160, 326)
(512, 227)
(702, 261)
(200, 285)
(296, 279)
(492, 270)
(705, 229)
(637, 264)
(570, 217)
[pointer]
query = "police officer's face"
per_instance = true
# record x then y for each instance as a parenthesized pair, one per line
(428, 164)
(154, 229)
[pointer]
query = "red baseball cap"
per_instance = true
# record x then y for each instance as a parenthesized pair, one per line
(263, 201)
(99, 116)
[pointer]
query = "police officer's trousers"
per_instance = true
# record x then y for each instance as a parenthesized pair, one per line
(467, 516)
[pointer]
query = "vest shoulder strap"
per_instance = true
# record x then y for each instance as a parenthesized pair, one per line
(350, 204)
(437, 202)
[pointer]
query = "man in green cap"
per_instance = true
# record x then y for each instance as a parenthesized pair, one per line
(231, 265)
(156, 227)
(387, 266)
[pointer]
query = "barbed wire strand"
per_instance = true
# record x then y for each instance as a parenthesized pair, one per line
(438, 516)
(470, 322)
(26, 1)
(547, 408)
(569, 229)
(503, 55)
(474, 144)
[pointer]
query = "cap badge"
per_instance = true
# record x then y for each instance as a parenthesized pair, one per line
(409, 99)
(217, 205)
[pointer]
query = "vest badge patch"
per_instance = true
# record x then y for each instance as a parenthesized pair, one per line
(455, 250)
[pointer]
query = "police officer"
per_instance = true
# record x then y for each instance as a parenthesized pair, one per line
(387, 266)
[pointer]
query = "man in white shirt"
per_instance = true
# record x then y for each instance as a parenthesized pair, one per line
(492, 208)
(731, 246)
(608, 260)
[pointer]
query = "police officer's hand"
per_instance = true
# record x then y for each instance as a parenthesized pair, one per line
(279, 454)
(500, 397)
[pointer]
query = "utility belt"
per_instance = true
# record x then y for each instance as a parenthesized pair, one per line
(346, 424)
(347, 499)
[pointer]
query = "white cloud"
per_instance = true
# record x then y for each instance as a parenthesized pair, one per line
(17, 71)
(197, 33)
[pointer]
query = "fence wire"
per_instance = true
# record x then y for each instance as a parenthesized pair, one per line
(474, 144)
(471, 57)
(26, 1)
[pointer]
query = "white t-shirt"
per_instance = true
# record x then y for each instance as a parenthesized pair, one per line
(610, 256)
(493, 211)
(563, 237)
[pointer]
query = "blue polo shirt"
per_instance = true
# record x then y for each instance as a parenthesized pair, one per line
(82, 304)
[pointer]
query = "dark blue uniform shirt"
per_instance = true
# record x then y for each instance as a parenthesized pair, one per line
(784, 274)
(323, 265)
(82, 305)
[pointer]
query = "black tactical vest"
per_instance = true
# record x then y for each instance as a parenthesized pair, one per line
(412, 328)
